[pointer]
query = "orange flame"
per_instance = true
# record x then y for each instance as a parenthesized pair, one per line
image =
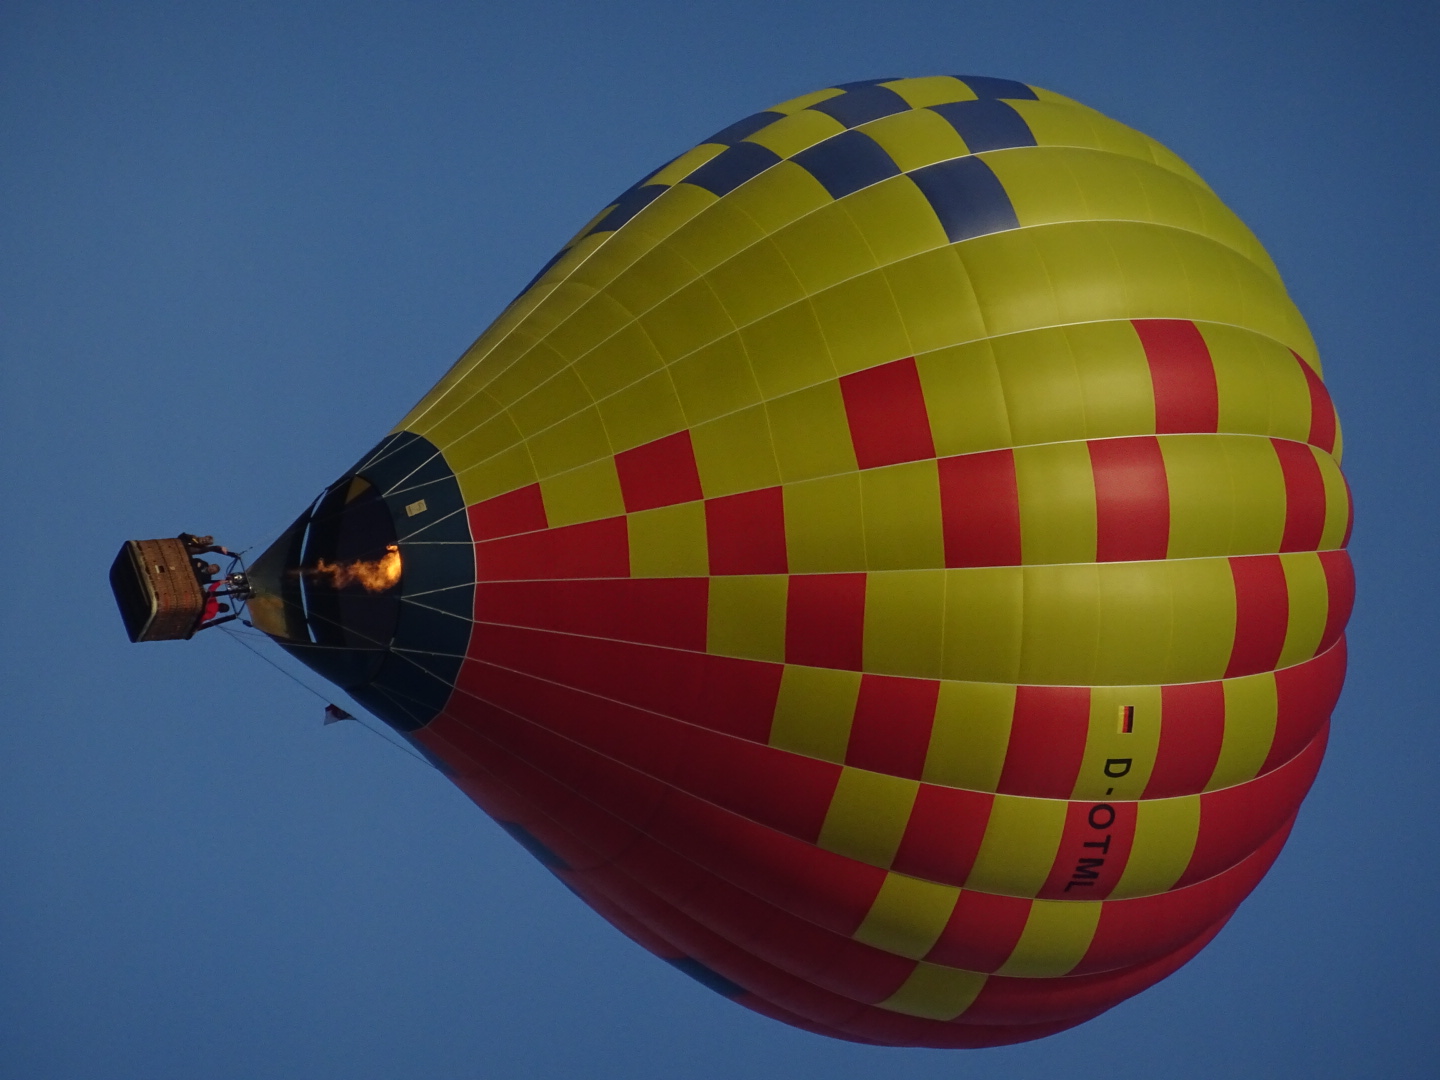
(373, 575)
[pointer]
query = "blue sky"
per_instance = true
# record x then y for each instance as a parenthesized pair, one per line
(239, 241)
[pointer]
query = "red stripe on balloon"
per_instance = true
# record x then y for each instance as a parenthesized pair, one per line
(825, 960)
(825, 621)
(829, 890)
(826, 889)
(1304, 496)
(518, 511)
(943, 834)
(625, 920)
(632, 791)
(708, 918)
(1094, 848)
(592, 549)
(857, 971)
(670, 893)
(735, 696)
(783, 791)
(1305, 695)
(890, 732)
(863, 973)
(642, 740)
(789, 792)
(1047, 741)
(722, 693)
(746, 532)
(1005, 997)
(640, 891)
(1235, 821)
(1182, 374)
(648, 880)
(1262, 614)
(1340, 589)
(1003, 918)
(547, 804)
(1349, 513)
(765, 950)
(1139, 930)
(656, 611)
(1132, 499)
(664, 891)
(885, 407)
(659, 473)
(1322, 409)
(1192, 728)
(980, 509)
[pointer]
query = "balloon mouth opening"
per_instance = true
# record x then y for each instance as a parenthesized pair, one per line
(333, 590)
(333, 579)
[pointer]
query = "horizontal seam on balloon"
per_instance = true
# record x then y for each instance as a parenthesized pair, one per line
(1267, 271)
(982, 154)
(939, 457)
(640, 831)
(1270, 271)
(1116, 900)
(904, 569)
(991, 791)
(613, 860)
(636, 316)
(667, 236)
(926, 678)
(668, 784)
(764, 401)
(685, 792)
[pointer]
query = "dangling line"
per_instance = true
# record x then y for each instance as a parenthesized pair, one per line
(305, 686)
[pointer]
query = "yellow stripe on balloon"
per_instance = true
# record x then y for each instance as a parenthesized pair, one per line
(1056, 936)
(1337, 501)
(935, 992)
(1165, 833)
(970, 735)
(901, 507)
(905, 623)
(1110, 750)
(814, 710)
(1309, 593)
(1058, 121)
(1019, 847)
(931, 90)
(917, 138)
(746, 616)
(670, 541)
(907, 916)
(867, 815)
(1250, 716)
(796, 132)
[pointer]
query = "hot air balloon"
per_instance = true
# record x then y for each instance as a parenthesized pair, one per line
(890, 564)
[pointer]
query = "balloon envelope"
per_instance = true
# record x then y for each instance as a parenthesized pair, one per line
(890, 564)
